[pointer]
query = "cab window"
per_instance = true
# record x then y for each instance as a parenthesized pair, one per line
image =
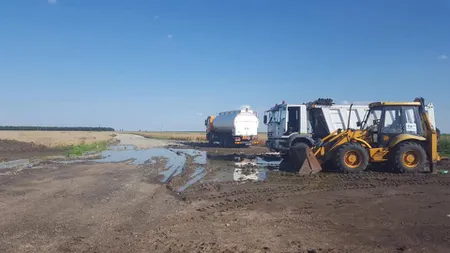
(392, 121)
(373, 120)
(401, 119)
(412, 121)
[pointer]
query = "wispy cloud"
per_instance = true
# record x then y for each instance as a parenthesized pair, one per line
(52, 1)
(442, 57)
(170, 36)
(199, 113)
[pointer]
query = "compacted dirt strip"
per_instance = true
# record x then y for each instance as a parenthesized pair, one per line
(119, 207)
(11, 149)
(324, 213)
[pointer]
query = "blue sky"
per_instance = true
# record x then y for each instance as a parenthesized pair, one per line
(139, 64)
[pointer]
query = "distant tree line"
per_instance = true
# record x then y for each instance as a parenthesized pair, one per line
(54, 128)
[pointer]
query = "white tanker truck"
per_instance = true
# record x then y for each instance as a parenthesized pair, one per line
(230, 128)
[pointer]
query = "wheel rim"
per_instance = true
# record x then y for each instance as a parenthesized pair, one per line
(352, 159)
(411, 159)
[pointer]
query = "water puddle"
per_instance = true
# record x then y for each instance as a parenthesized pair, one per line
(267, 163)
(195, 177)
(250, 169)
(207, 170)
(197, 171)
(176, 158)
(257, 169)
(253, 174)
(15, 164)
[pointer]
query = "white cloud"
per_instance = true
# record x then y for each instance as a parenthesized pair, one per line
(170, 36)
(52, 1)
(442, 57)
(345, 102)
(199, 113)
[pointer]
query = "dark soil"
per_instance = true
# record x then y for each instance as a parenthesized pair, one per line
(10, 150)
(17, 146)
(121, 208)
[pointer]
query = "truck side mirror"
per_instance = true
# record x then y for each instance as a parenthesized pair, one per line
(265, 119)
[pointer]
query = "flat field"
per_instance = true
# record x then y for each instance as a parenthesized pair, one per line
(216, 206)
(57, 138)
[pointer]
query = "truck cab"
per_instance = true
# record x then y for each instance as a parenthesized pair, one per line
(289, 124)
(284, 120)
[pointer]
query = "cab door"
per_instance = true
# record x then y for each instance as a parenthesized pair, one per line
(398, 120)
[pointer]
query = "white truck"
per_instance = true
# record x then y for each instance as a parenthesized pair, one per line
(288, 124)
(230, 128)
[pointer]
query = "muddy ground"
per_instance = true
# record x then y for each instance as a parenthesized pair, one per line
(120, 207)
(11, 149)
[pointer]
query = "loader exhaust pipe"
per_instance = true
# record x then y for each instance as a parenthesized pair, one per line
(349, 116)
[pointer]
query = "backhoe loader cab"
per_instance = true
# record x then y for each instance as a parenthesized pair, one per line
(398, 133)
(386, 121)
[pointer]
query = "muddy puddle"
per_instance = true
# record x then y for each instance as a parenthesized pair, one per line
(206, 170)
(257, 169)
(175, 159)
(15, 164)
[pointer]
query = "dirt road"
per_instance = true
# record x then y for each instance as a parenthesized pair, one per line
(120, 207)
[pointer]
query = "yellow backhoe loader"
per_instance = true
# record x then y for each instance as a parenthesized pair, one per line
(397, 133)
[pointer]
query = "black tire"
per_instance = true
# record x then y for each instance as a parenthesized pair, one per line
(210, 139)
(411, 150)
(286, 165)
(228, 142)
(299, 143)
(221, 141)
(345, 158)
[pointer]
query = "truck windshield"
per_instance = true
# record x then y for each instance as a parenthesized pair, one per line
(276, 116)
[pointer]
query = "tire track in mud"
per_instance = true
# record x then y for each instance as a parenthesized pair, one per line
(231, 196)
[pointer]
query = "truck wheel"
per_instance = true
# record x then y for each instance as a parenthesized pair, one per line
(409, 157)
(226, 142)
(351, 158)
(221, 141)
(209, 138)
(286, 165)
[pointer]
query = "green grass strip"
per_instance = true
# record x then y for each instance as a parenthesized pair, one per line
(81, 149)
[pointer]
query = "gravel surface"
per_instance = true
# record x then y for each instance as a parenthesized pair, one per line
(142, 142)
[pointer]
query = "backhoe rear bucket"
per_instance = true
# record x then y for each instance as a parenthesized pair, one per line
(304, 160)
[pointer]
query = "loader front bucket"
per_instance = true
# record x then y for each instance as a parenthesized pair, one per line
(303, 160)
